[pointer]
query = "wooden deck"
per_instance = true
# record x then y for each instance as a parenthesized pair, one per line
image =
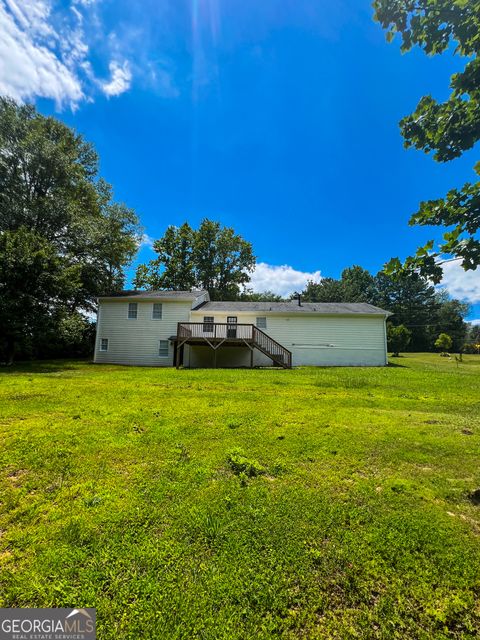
(218, 334)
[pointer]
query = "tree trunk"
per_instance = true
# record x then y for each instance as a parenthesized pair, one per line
(10, 349)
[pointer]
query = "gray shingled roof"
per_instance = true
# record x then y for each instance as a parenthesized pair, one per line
(327, 308)
(148, 295)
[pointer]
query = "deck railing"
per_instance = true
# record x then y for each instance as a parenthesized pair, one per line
(215, 330)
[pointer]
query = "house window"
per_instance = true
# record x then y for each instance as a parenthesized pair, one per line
(231, 326)
(104, 344)
(132, 310)
(163, 349)
(261, 323)
(208, 324)
(157, 311)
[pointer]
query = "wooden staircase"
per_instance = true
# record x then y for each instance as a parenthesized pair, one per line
(271, 348)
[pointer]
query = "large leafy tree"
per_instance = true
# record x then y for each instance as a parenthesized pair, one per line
(223, 260)
(63, 241)
(474, 333)
(327, 290)
(355, 285)
(446, 129)
(359, 285)
(174, 266)
(450, 318)
(211, 257)
(412, 301)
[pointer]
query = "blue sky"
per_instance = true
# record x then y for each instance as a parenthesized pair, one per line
(279, 118)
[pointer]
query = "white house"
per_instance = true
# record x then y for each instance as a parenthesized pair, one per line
(183, 328)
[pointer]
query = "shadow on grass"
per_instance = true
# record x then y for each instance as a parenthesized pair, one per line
(39, 366)
(395, 364)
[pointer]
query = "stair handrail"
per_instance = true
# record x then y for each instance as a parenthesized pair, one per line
(273, 347)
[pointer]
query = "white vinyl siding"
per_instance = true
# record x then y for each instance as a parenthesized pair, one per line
(163, 349)
(261, 322)
(313, 339)
(157, 311)
(137, 343)
(132, 310)
(320, 340)
(331, 340)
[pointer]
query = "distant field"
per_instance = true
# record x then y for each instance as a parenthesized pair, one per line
(214, 504)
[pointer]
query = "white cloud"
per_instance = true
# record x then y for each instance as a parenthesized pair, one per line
(120, 81)
(46, 51)
(464, 285)
(31, 62)
(146, 241)
(282, 280)
(61, 51)
(476, 321)
(31, 17)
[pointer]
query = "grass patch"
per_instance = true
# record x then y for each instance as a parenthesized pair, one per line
(220, 504)
(240, 464)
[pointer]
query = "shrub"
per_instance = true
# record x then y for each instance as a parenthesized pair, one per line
(398, 338)
(240, 464)
(471, 347)
(444, 342)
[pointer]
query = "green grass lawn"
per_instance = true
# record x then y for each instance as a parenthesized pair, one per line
(211, 504)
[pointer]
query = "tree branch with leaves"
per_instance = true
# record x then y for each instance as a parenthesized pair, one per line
(445, 129)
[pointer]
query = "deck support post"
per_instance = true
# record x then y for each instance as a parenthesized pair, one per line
(179, 353)
(177, 358)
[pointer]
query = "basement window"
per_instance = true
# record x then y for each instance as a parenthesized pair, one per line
(157, 311)
(261, 323)
(163, 349)
(132, 310)
(104, 344)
